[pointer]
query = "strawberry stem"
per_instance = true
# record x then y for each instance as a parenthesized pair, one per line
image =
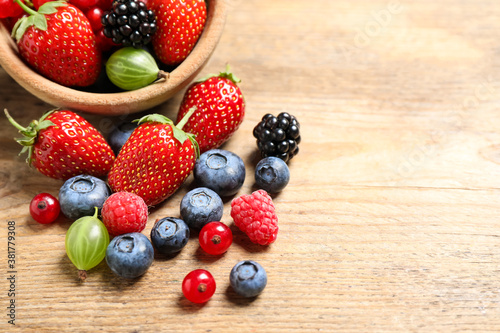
(13, 122)
(29, 133)
(227, 74)
(186, 117)
(26, 8)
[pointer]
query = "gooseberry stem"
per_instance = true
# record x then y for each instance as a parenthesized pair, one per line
(82, 275)
(163, 75)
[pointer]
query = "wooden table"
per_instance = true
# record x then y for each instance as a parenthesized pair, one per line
(390, 222)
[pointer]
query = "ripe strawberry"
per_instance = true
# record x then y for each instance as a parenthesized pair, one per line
(180, 23)
(62, 145)
(58, 42)
(155, 160)
(220, 109)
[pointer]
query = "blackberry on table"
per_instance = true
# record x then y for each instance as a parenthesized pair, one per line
(129, 23)
(278, 136)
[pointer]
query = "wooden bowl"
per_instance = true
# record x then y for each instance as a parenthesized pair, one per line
(120, 102)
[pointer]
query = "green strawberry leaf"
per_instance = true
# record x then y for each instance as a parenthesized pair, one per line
(51, 7)
(227, 74)
(20, 28)
(153, 118)
(179, 134)
(46, 114)
(196, 146)
(36, 19)
(30, 133)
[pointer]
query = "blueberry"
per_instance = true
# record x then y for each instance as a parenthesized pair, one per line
(130, 255)
(169, 235)
(272, 174)
(221, 171)
(119, 135)
(248, 278)
(201, 206)
(80, 195)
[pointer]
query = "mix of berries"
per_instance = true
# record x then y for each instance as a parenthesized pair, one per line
(69, 42)
(108, 188)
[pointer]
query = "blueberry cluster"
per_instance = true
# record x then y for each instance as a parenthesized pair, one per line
(129, 23)
(278, 136)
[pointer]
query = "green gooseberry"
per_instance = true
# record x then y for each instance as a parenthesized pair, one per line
(86, 242)
(130, 68)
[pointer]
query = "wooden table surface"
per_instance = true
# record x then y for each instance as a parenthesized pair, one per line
(390, 222)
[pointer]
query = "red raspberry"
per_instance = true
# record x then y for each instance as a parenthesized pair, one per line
(124, 212)
(254, 214)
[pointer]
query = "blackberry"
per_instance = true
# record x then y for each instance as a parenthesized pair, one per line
(278, 136)
(129, 23)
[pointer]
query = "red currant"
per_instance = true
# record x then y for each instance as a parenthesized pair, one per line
(94, 15)
(105, 4)
(198, 286)
(215, 238)
(38, 3)
(83, 5)
(104, 43)
(10, 9)
(44, 208)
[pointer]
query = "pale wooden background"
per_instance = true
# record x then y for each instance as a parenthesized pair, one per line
(391, 220)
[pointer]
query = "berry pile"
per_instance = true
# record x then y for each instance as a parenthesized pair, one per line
(154, 157)
(46, 41)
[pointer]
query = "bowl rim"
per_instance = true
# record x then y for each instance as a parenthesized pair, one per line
(118, 103)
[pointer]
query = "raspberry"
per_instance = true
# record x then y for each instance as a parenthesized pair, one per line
(124, 212)
(254, 214)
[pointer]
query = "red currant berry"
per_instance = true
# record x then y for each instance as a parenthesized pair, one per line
(105, 4)
(9, 8)
(44, 208)
(215, 238)
(198, 286)
(94, 15)
(104, 43)
(38, 3)
(83, 5)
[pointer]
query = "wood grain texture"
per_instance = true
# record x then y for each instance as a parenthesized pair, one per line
(390, 221)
